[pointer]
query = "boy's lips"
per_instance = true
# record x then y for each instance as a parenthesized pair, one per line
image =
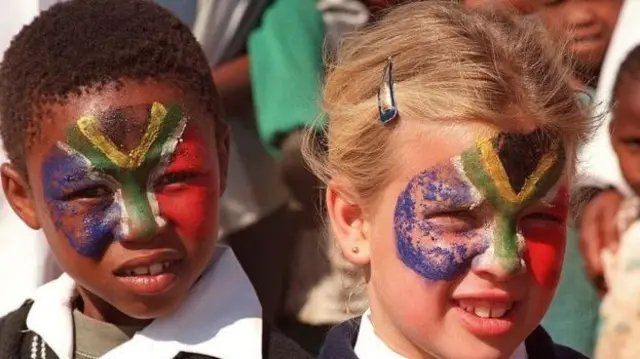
(150, 274)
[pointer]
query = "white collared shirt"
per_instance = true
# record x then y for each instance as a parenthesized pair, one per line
(370, 346)
(221, 317)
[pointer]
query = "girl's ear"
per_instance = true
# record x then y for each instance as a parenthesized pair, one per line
(16, 189)
(348, 223)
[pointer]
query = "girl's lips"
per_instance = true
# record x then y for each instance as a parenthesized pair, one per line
(488, 319)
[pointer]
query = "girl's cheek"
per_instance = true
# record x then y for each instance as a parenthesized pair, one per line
(545, 254)
(546, 245)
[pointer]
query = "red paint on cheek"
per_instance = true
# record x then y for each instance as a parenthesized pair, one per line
(190, 203)
(545, 244)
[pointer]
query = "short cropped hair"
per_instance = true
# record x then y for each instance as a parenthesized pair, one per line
(86, 44)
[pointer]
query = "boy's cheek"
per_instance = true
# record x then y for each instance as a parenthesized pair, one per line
(88, 232)
(192, 209)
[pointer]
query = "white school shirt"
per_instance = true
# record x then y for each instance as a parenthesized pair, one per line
(25, 259)
(221, 317)
(598, 163)
(370, 346)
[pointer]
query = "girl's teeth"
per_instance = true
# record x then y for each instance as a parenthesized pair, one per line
(486, 312)
(483, 312)
(498, 313)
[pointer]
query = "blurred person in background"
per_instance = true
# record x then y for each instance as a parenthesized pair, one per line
(587, 26)
(286, 58)
(253, 215)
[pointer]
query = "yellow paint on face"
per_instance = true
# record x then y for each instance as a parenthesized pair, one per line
(496, 171)
(90, 128)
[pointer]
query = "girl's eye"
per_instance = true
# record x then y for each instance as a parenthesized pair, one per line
(90, 193)
(178, 177)
(454, 220)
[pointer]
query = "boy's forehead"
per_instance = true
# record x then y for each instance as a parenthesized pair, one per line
(125, 126)
(122, 111)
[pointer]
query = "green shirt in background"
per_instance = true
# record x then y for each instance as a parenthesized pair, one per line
(286, 62)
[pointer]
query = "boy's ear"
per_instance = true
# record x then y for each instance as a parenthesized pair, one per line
(348, 224)
(222, 146)
(16, 189)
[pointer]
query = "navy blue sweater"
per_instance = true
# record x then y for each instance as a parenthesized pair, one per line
(342, 339)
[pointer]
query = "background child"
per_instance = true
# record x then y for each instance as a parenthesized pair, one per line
(620, 307)
(462, 247)
(118, 152)
(588, 26)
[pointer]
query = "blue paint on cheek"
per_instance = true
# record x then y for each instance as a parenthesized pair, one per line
(88, 227)
(423, 250)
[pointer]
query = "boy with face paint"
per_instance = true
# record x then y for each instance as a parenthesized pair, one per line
(448, 170)
(620, 326)
(118, 152)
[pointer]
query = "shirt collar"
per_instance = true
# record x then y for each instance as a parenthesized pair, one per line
(370, 346)
(221, 317)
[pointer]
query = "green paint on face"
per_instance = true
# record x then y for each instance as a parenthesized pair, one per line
(132, 170)
(493, 177)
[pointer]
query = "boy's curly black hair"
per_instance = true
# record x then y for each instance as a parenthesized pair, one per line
(86, 44)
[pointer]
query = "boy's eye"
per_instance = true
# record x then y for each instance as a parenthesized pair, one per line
(90, 193)
(178, 177)
(542, 217)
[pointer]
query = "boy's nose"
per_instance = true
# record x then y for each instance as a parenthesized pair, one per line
(142, 222)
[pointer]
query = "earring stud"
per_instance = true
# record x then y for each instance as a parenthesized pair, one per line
(355, 250)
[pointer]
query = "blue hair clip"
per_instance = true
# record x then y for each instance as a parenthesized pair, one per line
(386, 97)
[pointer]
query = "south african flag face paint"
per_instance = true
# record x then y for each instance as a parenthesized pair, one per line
(105, 182)
(473, 209)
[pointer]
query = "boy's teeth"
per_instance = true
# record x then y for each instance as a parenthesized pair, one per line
(141, 271)
(153, 269)
(156, 269)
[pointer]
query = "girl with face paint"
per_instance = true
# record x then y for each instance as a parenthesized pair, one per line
(448, 169)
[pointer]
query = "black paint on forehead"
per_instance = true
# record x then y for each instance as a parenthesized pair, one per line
(125, 126)
(520, 154)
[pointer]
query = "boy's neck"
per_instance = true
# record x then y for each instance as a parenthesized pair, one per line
(94, 307)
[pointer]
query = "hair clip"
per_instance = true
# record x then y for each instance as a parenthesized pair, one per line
(386, 97)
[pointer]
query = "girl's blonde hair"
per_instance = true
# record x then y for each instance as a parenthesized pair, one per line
(450, 64)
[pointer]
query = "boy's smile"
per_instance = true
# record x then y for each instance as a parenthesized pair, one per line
(126, 183)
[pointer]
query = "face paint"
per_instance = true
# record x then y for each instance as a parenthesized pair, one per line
(109, 155)
(545, 251)
(509, 172)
